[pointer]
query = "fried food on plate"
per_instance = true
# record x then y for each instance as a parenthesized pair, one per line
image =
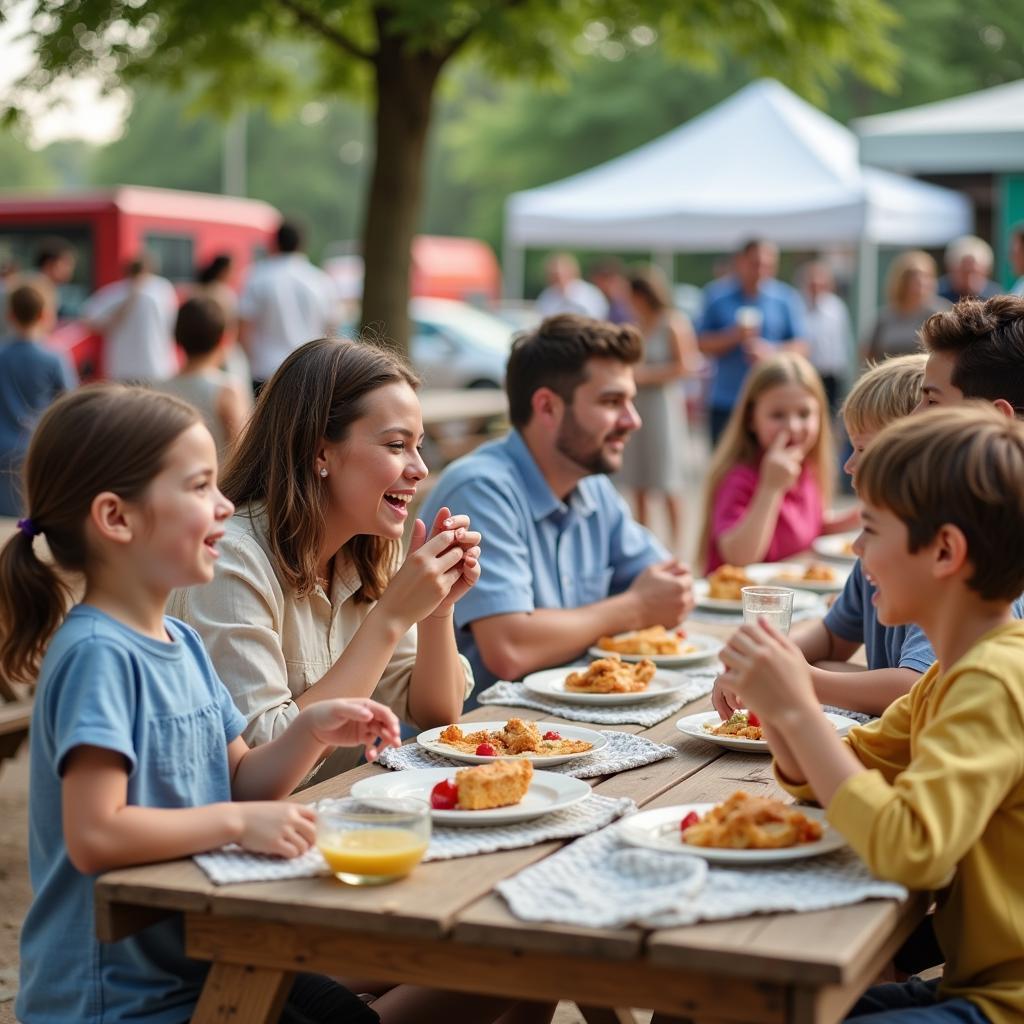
(726, 582)
(816, 572)
(498, 784)
(743, 725)
(518, 738)
(609, 675)
(745, 822)
(655, 640)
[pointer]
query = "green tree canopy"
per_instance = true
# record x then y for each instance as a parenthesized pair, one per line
(397, 51)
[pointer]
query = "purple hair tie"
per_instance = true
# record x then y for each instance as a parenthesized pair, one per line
(28, 528)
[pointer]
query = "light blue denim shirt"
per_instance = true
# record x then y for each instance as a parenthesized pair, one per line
(537, 550)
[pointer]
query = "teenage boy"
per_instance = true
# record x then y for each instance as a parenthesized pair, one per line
(31, 377)
(563, 562)
(931, 794)
(896, 655)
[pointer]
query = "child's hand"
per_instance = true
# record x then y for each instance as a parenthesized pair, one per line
(724, 698)
(353, 722)
(469, 541)
(433, 566)
(767, 672)
(781, 464)
(278, 828)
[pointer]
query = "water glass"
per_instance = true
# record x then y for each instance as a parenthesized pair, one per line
(774, 604)
(372, 841)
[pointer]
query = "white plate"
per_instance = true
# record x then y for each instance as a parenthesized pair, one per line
(429, 740)
(551, 684)
(693, 725)
(802, 600)
(834, 545)
(775, 573)
(707, 647)
(659, 830)
(548, 792)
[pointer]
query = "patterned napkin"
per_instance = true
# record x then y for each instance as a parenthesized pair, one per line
(699, 683)
(858, 716)
(232, 864)
(624, 751)
(602, 882)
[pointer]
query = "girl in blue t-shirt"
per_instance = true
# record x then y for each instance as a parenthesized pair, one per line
(136, 751)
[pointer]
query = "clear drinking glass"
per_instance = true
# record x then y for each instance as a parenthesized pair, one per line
(775, 604)
(372, 841)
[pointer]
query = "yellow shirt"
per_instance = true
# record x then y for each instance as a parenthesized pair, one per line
(269, 646)
(941, 806)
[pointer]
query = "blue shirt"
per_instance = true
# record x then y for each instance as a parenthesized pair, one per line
(853, 617)
(162, 707)
(783, 313)
(537, 550)
(31, 377)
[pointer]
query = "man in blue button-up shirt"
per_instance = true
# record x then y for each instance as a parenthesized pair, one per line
(747, 317)
(563, 562)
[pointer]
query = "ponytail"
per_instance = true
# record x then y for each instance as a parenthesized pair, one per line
(33, 601)
(105, 437)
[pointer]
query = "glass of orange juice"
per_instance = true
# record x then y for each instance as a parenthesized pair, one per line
(372, 841)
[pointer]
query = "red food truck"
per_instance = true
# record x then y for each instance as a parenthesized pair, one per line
(108, 228)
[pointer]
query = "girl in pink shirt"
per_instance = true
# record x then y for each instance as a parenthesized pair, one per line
(771, 475)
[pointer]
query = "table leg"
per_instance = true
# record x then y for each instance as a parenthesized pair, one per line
(235, 994)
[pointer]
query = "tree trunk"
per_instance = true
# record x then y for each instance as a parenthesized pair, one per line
(405, 91)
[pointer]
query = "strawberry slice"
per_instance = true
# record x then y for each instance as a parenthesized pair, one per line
(690, 819)
(552, 735)
(753, 720)
(485, 750)
(444, 796)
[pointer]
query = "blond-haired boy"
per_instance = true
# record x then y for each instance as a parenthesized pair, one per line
(896, 655)
(931, 794)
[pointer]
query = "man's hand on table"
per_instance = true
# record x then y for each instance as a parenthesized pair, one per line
(664, 593)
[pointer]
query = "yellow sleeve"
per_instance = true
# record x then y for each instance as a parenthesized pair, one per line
(883, 744)
(916, 827)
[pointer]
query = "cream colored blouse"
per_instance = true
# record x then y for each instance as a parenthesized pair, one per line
(269, 646)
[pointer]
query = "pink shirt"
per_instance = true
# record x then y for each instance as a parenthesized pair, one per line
(801, 516)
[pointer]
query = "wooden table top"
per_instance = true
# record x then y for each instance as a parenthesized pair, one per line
(823, 954)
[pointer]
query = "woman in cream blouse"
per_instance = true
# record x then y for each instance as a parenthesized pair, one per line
(306, 604)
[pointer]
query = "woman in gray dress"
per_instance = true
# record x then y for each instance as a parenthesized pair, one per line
(657, 454)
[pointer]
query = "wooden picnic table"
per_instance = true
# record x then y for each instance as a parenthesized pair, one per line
(443, 926)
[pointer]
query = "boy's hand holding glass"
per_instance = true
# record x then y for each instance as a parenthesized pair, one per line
(767, 672)
(353, 722)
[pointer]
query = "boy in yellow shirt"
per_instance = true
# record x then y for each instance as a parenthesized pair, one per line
(931, 794)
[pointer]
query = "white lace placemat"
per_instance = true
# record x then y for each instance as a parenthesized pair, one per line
(232, 864)
(699, 682)
(624, 751)
(601, 882)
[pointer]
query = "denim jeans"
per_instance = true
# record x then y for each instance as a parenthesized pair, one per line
(913, 1002)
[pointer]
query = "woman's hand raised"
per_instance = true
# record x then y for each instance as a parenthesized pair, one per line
(432, 568)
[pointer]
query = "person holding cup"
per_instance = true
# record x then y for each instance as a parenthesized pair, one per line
(747, 317)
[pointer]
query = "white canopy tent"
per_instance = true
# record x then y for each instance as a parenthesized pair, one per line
(762, 163)
(982, 131)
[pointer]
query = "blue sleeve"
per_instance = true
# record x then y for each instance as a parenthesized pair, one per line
(710, 318)
(633, 547)
(845, 619)
(91, 700)
(916, 652)
(506, 577)
(67, 378)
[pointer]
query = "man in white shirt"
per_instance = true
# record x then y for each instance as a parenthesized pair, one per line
(136, 318)
(829, 332)
(285, 303)
(567, 292)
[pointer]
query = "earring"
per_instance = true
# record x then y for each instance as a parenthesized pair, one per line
(323, 471)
